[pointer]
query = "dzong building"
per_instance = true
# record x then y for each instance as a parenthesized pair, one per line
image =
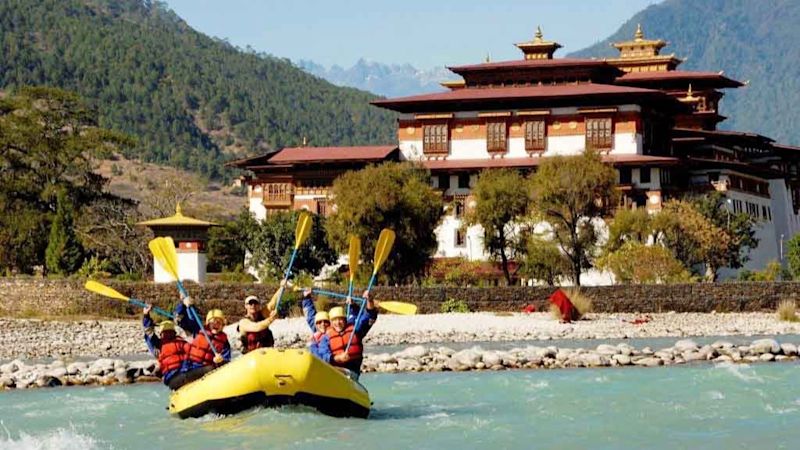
(656, 124)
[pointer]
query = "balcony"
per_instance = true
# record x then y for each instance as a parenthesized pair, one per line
(278, 195)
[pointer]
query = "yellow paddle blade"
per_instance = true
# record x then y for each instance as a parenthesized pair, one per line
(382, 249)
(354, 255)
(158, 253)
(104, 290)
(303, 229)
(399, 307)
(170, 255)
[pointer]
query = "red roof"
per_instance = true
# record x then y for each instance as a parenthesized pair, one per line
(518, 93)
(465, 164)
(679, 75)
(530, 63)
(313, 154)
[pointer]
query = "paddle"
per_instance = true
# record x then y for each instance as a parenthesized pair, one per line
(163, 249)
(382, 250)
(395, 307)
(353, 255)
(301, 233)
(106, 291)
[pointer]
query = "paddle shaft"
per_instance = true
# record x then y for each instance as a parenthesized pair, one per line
(156, 309)
(193, 316)
(360, 311)
(286, 277)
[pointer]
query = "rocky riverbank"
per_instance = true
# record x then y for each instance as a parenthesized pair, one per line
(28, 339)
(19, 375)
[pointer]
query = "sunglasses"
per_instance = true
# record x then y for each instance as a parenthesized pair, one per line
(325, 321)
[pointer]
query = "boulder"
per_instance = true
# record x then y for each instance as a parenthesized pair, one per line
(721, 344)
(789, 349)
(686, 345)
(761, 346)
(623, 360)
(76, 368)
(649, 361)
(415, 352)
(57, 372)
(492, 358)
(605, 349)
(101, 366)
(766, 357)
(468, 357)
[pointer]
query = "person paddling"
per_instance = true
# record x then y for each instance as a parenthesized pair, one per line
(254, 329)
(170, 350)
(201, 357)
(319, 322)
(350, 331)
(182, 317)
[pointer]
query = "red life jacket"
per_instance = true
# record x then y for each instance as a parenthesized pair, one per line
(339, 343)
(258, 339)
(172, 354)
(201, 353)
(317, 336)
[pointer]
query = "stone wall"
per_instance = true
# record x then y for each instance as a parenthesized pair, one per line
(42, 297)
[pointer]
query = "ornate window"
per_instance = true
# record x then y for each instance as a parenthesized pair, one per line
(599, 133)
(435, 139)
(535, 135)
(496, 136)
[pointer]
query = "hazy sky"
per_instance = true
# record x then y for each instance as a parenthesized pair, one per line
(425, 33)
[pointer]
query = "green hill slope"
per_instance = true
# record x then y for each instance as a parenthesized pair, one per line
(192, 101)
(752, 40)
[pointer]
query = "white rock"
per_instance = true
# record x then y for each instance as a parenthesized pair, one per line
(415, 352)
(649, 362)
(606, 349)
(760, 346)
(766, 357)
(623, 360)
(492, 358)
(789, 349)
(468, 357)
(686, 345)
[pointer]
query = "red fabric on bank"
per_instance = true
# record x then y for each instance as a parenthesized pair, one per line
(560, 299)
(529, 308)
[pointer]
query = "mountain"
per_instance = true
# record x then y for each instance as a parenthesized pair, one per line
(395, 80)
(192, 101)
(753, 40)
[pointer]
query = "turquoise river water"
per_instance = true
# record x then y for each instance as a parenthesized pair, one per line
(695, 406)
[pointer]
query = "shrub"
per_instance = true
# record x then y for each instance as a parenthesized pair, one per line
(236, 275)
(787, 311)
(581, 301)
(453, 305)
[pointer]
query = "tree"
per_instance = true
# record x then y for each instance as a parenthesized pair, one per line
(49, 142)
(392, 195)
(793, 255)
(628, 225)
(543, 261)
(568, 193)
(227, 244)
(740, 227)
(692, 238)
(502, 202)
(64, 254)
(271, 242)
(637, 263)
(167, 194)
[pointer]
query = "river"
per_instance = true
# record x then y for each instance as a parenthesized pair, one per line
(699, 406)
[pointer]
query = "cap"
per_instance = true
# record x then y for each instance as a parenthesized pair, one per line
(250, 299)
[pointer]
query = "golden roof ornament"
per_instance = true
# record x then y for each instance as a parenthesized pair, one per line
(639, 34)
(488, 58)
(690, 97)
(178, 210)
(538, 36)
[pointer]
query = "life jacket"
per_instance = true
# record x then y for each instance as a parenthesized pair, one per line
(258, 339)
(201, 353)
(172, 354)
(338, 342)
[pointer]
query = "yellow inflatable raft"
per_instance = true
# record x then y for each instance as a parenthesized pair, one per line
(272, 377)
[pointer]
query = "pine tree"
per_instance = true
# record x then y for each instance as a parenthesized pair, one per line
(64, 253)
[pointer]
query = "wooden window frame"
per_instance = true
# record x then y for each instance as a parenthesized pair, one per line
(436, 138)
(497, 136)
(461, 233)
(535, 135)
(600, 133)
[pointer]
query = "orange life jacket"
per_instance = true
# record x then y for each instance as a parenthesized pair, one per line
(339, 343)
(258, 339)
(201, 353)
(172, 354)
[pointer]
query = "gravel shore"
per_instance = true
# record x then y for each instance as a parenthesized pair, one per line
(27, 339)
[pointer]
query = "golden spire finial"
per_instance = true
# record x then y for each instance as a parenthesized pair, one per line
(305, 141)
(639, 35)
(178, 210)
(689, 91)
(488, 58)
(538, 36)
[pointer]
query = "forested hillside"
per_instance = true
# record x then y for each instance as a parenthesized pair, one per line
(191, 101)
(753, 40)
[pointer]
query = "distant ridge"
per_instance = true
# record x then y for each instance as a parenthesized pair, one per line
(192, 101)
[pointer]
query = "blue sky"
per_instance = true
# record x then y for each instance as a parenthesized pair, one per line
(425, 33)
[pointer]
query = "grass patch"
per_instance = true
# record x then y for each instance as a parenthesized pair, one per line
(453, 305)
(787, 311)
(581, 301)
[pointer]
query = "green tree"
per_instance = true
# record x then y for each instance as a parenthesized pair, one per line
(569, 193)
(227, 244)
(64, 254)
(740, 227)
(502, 202)
(793, 256)
(49, 142)
(543, 261)
(271, 242)
(638, 263)
(628, 225)
(392, 195)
